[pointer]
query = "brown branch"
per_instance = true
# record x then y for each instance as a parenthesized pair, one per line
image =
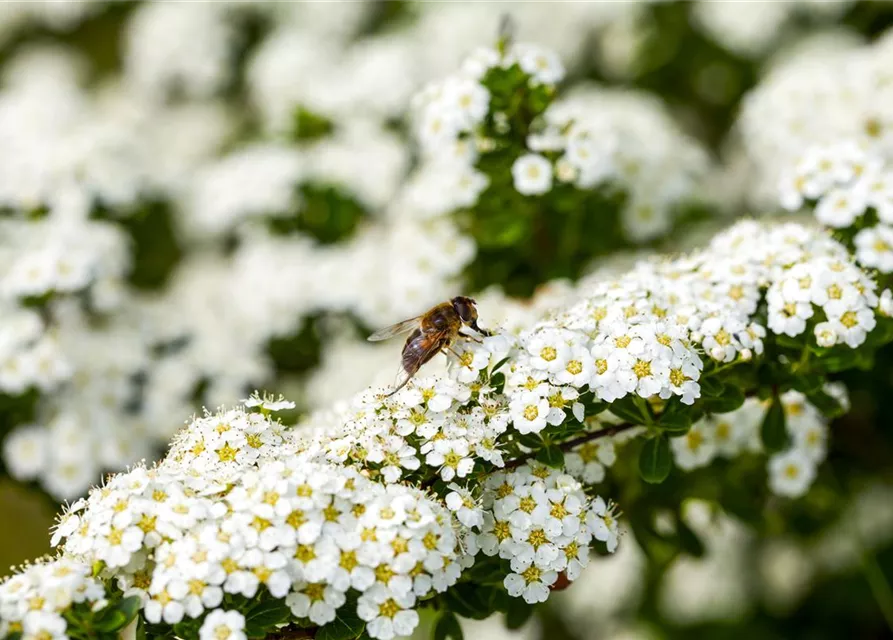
(570, 444)
(293, 633)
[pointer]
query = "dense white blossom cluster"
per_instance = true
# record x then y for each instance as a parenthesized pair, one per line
(240, 504)
(386, 501)
(34, 601)
(118, 148)
(750, 29)
(543, 523)
(817, 97)
(792, 471)
(592, 138)
(609, 135)
(851, 189)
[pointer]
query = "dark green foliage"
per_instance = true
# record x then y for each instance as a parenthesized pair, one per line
(655, 460)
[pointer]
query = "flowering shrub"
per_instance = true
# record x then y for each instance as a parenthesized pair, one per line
(173, 203)
(197, 200)
(475, 493)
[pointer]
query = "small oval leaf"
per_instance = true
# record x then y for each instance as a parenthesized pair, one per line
(655, 460)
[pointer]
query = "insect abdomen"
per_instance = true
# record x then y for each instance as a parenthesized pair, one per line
(420, 348)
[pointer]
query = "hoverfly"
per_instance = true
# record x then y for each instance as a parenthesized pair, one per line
(432, 332)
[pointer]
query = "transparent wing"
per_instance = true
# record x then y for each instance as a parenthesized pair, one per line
(395, 329)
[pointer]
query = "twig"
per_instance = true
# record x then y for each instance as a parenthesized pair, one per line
(293, 633)
(570, 444)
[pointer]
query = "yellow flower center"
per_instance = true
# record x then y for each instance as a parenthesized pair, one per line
(537, 538)
(305, 553)
(226, 453)
(677, 377)
(348, 560)
(642, 368)
(315, 591)
(849, 319)
(389, 608)
(532, 574)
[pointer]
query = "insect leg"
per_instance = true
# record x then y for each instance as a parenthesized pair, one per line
(472, 338)
(400, 386)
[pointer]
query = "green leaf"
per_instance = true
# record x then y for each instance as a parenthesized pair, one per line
(117, 616)
(347, 625)
(265, 616)
(469, 600)
(497, 381)
(774, 431)
(529, 440)
(627, 409)
(594, 407)
(688, 539)
(188, 629)
(518, 613)
(710, 387)
(655, 460)
(498, 365)
(731, 399)
(826, 403)
(447, 627)
(809, 383)
(551, 456)
(676, 418)
(840, 359)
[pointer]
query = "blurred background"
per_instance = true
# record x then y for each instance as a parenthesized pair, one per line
(198, 199)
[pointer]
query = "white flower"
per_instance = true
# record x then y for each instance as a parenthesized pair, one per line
(578, 368)
(825, 335)
(544, 65)
(874, 248)
(602, 523)
(532, 174)
(316, 601)
(452, 456)
(26, 452)
(460, 502)
(839, 208)
(467, 98)
(223, 625)
(267, 403)
(695, 449)
(387, 614)
(791, 473)
(851, 322)
(530, 582)
(531, 413)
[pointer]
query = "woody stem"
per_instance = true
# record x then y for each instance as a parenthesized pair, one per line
(574, 442)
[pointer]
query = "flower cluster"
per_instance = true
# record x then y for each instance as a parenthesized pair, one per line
(851, 190)
(591, 139)
(35, 601)
(238, 505)
(792, 471)
(750, 30)
(366, 512)
(543, 523)
(133, 209)
(821, 95)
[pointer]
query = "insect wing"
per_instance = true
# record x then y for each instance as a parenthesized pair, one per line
(395, 330)
(421, 347)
